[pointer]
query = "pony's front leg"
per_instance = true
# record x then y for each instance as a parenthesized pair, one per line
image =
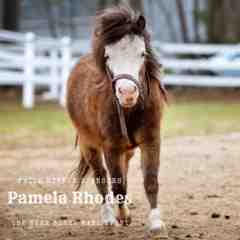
(116, 163)
(150, 154)
(94, 159)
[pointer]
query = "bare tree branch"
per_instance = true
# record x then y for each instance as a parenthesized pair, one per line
(101, 4)
(182, 19)
(71, 16)
(50, 18)
(11, 14)
(136, 5)
(196, 8)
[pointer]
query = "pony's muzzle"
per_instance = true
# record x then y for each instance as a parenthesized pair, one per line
(127, 93)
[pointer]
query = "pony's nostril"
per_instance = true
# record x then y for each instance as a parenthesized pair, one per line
(123, 90)
(120, 90)
(134, 89)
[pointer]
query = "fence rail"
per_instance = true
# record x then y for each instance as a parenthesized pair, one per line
(195, 49)
(201, 81)
(192, 65)
(29, 60)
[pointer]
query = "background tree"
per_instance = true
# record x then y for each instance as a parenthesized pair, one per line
(196, 22)
(182, 20)
(223, 21)
(101, 4)
(70, 17)
(10, 14)
(215, 15)
(137, 5)
(1, 13)
(52, 25)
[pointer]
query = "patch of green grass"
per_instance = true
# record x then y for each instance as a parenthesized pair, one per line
(201, 118)
(195, 118)
(46, 118)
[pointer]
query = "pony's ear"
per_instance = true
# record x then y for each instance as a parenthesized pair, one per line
(141, 22)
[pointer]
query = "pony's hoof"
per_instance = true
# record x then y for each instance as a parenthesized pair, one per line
(159, 234)
(107, 215)
(109, 223)
(125, 221)
(157, 227)
(124, 217)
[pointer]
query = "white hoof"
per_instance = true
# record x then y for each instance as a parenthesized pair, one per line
(107, 215)
(156, 225)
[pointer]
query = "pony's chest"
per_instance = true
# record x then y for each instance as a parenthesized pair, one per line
(134, 124)
(112, 130)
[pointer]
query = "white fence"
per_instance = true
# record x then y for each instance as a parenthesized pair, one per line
(29, 61)
(186, 71)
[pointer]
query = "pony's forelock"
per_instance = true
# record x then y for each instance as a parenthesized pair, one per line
(112, 24)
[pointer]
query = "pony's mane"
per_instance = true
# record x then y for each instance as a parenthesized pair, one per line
(112, 24)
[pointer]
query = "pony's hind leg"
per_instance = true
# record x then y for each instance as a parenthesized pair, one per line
(95, 160)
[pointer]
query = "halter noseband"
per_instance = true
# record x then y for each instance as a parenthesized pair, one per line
(128, 77)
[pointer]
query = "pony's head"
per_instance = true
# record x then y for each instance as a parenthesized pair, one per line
(121, 48)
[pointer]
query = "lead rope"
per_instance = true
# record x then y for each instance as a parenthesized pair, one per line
(121, 116)
(122, 120)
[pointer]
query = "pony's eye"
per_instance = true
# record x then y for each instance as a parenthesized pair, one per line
(106, 57)
(143, 54)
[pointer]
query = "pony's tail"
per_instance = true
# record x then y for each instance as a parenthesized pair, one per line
(83, 168)
(81, 172)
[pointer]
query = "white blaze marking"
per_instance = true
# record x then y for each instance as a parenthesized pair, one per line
(125, 56)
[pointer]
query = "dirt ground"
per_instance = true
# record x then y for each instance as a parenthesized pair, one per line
(199, 192)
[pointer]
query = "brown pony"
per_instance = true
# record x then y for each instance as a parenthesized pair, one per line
(115, 101)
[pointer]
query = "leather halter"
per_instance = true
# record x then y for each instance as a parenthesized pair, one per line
(128, 77)
(119, 107)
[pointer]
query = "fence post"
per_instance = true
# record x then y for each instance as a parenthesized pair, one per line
(66, 66)
(28, 83)
(54, 75)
